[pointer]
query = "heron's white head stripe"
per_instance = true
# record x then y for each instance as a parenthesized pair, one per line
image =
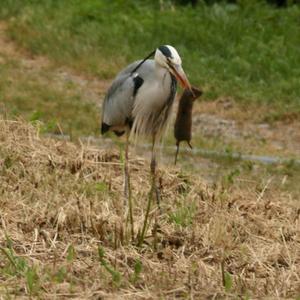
(166, 55)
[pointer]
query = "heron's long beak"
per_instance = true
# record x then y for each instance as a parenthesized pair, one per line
(181, 77)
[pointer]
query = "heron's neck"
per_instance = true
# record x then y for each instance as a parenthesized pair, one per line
(160, 71)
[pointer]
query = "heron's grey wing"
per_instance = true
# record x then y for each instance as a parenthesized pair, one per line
(118, 103)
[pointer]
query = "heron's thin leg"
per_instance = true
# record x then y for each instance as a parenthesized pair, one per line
(154, 187)
(127, 186)
(126, 169)
(153, 167)
(150, 197)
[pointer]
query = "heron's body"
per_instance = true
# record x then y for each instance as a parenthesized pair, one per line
(139, 102)
(139, 99)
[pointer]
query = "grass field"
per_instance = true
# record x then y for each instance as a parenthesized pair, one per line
(60, 47)
(63, 233)
(248, 52)
(227, 228)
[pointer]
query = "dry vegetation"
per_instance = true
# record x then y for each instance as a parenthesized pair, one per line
(63, 235)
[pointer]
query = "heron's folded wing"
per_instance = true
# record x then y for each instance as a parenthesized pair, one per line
(119, 100)
(118, 103)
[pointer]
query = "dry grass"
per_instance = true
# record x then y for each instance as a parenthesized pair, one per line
(63, 235)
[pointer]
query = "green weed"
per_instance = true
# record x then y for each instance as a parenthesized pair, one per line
(183, 215)
(228, 282)
(60, 275)
(71, 254)
(116, 276)
(18, 266)
(138, 267)
(229, 178)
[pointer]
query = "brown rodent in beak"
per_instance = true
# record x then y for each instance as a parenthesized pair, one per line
(183, 123)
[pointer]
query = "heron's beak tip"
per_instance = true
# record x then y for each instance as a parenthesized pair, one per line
(183, 80)
(189, 88)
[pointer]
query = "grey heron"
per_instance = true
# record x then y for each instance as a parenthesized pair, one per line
(140, 100)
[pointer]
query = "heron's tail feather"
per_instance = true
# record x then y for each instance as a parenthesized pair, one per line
(104, 128)
(149, 124)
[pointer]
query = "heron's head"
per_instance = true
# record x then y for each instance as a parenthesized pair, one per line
(167, 57)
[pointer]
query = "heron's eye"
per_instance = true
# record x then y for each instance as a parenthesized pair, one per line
(171, 65)
(169, 62)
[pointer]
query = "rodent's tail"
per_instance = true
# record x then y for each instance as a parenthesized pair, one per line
(177, 150)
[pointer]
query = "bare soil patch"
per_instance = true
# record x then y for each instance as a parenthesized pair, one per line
(226, 121)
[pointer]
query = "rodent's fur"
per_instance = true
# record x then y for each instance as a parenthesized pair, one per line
(183, 123)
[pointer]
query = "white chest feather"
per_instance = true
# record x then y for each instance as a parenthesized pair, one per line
(152, 95)
(152, 106)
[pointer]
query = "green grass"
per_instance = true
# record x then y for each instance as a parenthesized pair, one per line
(15, 266)
(184, 214)
(249, 52)
(37, 97)
(244, 174)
